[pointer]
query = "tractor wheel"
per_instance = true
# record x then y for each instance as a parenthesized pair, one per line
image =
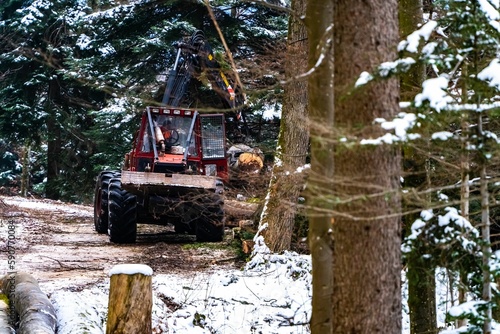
(101, 200)
(186, 224)
(210, 224)
(122, 219)
(183, 228)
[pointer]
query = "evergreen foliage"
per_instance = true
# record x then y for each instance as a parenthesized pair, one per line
(9, 165)
(459, 46)
(75, 73)
(455, 117)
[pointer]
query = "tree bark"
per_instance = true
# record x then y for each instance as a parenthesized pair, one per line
(5, 327)
(53, 143)
(319, 22)
(485, 235)
(367, 229)
(130, 304)
(25, 175)
(420, 273)
(35, 311)
(286, 183)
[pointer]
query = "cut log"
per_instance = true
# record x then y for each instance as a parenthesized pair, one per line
(5, 327)
(79, 313)
(245, 158)
(130, 300)
(35, 311)
(249, 162)
(236, 211)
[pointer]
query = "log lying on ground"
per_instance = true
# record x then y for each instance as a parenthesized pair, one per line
(245, 158)
(76, 315)
(5, 327)
(35, 311)
(130, 299)
(249, 162)
(236, 211)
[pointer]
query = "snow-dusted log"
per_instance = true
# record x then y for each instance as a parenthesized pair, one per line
(130, 299)
(35, 311)
(81, 313)
(5, 327)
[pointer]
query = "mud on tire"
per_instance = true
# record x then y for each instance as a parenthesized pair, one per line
(209, 227)
(101, 200)
(122, 218)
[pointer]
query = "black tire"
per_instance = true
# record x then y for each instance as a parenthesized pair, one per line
(101, 200)
(183, 228)
(210, 224)
(122, 219)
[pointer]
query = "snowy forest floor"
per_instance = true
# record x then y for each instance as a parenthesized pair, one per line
(197, 288)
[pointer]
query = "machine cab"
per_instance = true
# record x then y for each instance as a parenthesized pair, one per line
(179, 141)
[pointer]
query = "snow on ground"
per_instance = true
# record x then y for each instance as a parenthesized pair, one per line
(272, 294)
(40, 204)
(272, 297)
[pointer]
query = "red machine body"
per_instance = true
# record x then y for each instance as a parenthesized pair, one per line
(197, 144)
(175, 171)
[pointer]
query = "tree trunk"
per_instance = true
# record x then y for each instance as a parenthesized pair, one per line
(464, 187)
(53, 144)
(25, 179)
(130, 302)
(420, 273)
(286, 183)
(319, 16)
(485, 234)
(35, 311)
(422, 295)
(5, 327)
(367, 229)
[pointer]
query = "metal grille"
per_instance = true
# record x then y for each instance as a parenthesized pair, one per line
(212, 136)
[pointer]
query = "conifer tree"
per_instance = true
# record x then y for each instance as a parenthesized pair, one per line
(288, 177)
(460, 49)
(39, 104)
(75, 73)
(366, 295)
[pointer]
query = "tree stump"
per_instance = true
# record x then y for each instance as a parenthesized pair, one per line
(36, 313)
(130, 299)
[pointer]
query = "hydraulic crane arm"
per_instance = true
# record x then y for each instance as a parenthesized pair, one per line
(194, 58)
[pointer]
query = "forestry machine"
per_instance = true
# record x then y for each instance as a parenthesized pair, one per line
(176, 169)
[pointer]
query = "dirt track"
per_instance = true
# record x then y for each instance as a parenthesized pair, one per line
(57, 243)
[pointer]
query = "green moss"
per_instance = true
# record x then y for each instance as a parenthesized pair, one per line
(234, 245)
(206, 245)
(253, 200)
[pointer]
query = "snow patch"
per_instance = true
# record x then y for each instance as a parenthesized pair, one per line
(131, 269)
(442, 135)
(271, 112)
(413, 40)
(434, 91)
(491, 74)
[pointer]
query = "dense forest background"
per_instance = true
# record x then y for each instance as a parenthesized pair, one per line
(75, 75)
(402, 108)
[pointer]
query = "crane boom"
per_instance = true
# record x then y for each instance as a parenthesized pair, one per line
(194, 58)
